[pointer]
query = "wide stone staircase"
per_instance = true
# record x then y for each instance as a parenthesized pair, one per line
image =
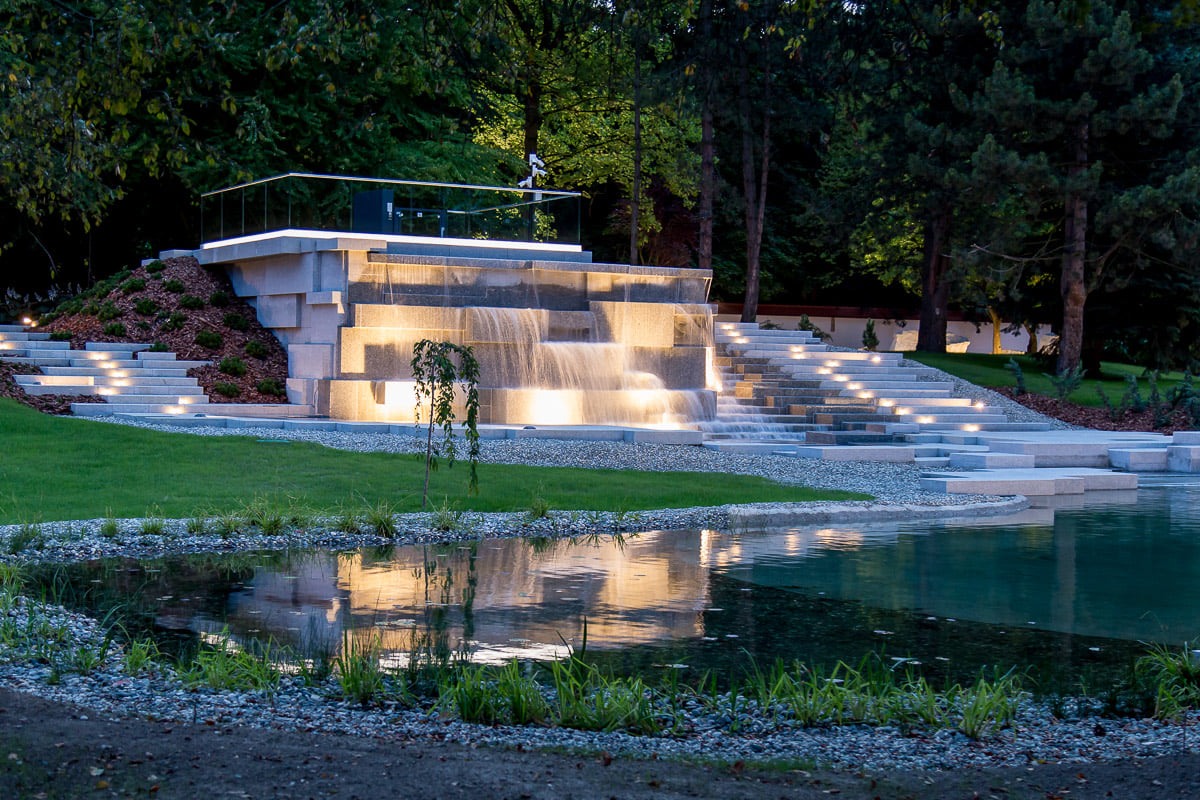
(787, 386)
(126, 378)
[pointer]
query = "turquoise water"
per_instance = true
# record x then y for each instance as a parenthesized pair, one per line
(1068, 592)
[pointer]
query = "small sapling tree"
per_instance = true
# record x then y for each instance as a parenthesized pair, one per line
(438, 367)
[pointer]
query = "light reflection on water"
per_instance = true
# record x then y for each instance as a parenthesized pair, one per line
(974, 592)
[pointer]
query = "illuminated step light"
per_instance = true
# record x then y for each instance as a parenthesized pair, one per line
(824, 371)
(979, 406)
(173, 410)
(869, 395)
(841, 378)
(887, 403)
(902, 411)
(833, 363)
(924, 420)
(120, 374)
(972, 428)
(876, 359)
(854, 386)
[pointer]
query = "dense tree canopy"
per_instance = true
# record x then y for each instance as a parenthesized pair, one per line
(1032, 162)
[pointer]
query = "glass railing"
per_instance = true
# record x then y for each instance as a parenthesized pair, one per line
(342, 204)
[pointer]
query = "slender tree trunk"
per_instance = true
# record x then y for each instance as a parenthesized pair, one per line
(754, 186)
(1032, 348)
(1073, 282)
(704, 242)
(996, 322)
(935, 288)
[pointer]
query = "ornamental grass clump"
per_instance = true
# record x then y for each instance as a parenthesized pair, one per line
(359, 674)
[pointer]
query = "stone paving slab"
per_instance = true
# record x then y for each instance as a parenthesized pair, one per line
(1028, 482)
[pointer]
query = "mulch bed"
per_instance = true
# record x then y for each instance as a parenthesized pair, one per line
(1099, 418)
(163, 320)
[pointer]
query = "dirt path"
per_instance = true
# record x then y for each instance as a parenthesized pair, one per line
(53, 751)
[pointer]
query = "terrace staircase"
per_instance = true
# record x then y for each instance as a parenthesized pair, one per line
(788, 386)
(126, 378)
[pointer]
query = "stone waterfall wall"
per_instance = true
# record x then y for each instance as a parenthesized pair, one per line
(559, 342)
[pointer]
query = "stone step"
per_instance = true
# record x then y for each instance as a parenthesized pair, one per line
(987, 426)
(37, 361)
(952, 419)
(34, 345)
(1138, 459)
(116, 347)
(857, 452)
(991, 461)
(1029, 482)
(850, 437)
(137, 372)
(132, 363)
(13, 329)
(159, 399)
(267, 411)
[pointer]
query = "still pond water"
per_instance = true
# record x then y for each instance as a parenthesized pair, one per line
(1067, 592)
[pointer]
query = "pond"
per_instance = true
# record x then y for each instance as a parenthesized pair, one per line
(1069, 593)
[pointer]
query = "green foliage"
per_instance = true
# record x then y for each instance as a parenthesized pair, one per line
(870, 340)
(114, 329)
(174, 286)
(146, 307)
(445, 518)
(209, 339)
(1013, 366)
(1133, 395)
(218, 299)
(153, 524)
(236, 322)
(272, 387)
(1066, 381)
(173, 323)
(227, 389)
(133, 286)
(140, 656)
(380, 519)
(438, 367)
(1173, 675)
(256, 349)
(27, 537)
(109, 528)
(223, 664)
(61, 336)
(232, 365)
(359, 674)
(191, 302)
(158, 347)
(108, 310)
(155, 267)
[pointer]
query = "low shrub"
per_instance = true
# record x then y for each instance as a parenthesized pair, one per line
(256, 349)
(209, 339)
(191, 302)
(158, 347)
(174, 286)
(232, 365)
(133, 285)
(114, 329)
(219, 299)
(155, 266)
(146, 307)
(174, 322)
(236, 322)
(272, 387)
(227, 389)
(61, 336)
(108, 311)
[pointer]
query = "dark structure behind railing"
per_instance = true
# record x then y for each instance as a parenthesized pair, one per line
(346, 204)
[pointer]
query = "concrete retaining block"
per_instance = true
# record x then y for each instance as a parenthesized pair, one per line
(1138, 459)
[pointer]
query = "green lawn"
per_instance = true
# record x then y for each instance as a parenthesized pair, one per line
(56, 468)
(989, 370)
